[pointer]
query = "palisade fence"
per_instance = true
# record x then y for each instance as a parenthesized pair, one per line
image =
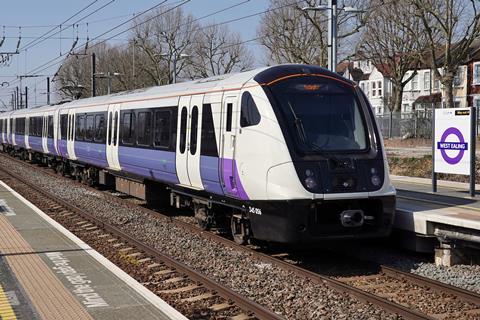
(417, 124)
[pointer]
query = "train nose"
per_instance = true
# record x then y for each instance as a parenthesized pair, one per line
(352, 218)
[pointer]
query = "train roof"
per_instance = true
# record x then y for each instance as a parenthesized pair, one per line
(261, 75)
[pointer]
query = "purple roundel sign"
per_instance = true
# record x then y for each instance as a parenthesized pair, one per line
(446, 144)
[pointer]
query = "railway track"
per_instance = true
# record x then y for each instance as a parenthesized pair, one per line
(190, 292)
(407, 295)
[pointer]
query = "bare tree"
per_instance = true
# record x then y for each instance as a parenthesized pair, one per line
(162, 38)
(388, 42)
(218, 51)
(450, 26)
(291, 35)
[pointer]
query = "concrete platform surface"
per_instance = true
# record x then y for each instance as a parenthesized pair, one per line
(46, 272)
(419, 209)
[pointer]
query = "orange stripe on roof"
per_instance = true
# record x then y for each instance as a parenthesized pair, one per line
(309, 75)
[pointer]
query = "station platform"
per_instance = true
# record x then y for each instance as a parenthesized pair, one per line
(46, 272)
(449, 214)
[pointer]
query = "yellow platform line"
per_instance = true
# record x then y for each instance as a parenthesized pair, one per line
(6, 310)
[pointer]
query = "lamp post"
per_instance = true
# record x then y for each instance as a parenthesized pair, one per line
(332, 9)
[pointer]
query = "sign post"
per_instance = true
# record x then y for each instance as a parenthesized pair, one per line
(454, 144)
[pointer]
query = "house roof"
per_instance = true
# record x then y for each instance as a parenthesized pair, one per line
(431, 98)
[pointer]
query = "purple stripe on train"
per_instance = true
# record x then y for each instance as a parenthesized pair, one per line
(91, 153)
(233, 184)
(62, 148)
(210, 174)
(35, 143)
(153, 164)
(20, 140)
(51, 146)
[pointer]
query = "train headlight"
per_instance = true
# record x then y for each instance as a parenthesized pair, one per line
(310, 180)
(376, 180)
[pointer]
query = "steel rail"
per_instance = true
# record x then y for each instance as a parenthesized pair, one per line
(315, 277)
(241, 301)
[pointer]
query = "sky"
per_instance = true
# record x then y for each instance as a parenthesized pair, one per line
(37, 17)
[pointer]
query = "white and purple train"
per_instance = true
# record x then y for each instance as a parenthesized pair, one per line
(288, 154)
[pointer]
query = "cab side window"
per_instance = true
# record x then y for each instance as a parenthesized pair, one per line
(249, 115)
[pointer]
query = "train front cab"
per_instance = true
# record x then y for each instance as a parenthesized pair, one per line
(337, 161)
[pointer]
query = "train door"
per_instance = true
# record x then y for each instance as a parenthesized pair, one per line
(71, 135)
(228, 144)
(56, 130)
(45, 133)
(194, 139)
(12, 130)
(113, 136)
(182, 143)
(27, 132)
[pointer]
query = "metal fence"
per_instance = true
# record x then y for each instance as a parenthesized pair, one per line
(416, 124)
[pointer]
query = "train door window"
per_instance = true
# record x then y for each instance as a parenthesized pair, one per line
(229, 116)
(89, 129)
(249, 115)
(183, 130)
(50, 127)
(110, 131)
(193, 130)
(80, 128)
(144, 128)
(115, 128)
(163, 120)
(100, 128)
(128, 128)
(63, 126)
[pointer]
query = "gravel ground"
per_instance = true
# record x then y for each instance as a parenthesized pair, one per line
(281, 291)
(462, 276)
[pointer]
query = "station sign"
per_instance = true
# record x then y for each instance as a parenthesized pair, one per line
(452, 145)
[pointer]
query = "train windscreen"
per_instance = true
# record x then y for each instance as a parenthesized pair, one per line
(323, 115)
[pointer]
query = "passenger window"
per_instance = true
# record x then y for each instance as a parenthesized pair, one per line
(63, 126)
(162, 129)
(128, 128)
(115, 128)
(80, 128)
(144, 128)
(249, 115)
(183, 130)
(50, 127)
(100, 128)
(229, 116)
(110, 130)
(208, 146)
(193, 131)
(89, 131)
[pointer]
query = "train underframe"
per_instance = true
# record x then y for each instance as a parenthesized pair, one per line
(282, 221)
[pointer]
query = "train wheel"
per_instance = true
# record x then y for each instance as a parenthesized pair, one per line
(239, 229)
(202, 216)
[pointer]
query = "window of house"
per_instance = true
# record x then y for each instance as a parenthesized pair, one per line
(476, 102)
(128, 128)
(458, 78)
(457, 104)
(476, 73)
(379, 86)
(426, 80)
(415, 82)
(144, 136)
(436, 85)
(374, 89)
(249, 115)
